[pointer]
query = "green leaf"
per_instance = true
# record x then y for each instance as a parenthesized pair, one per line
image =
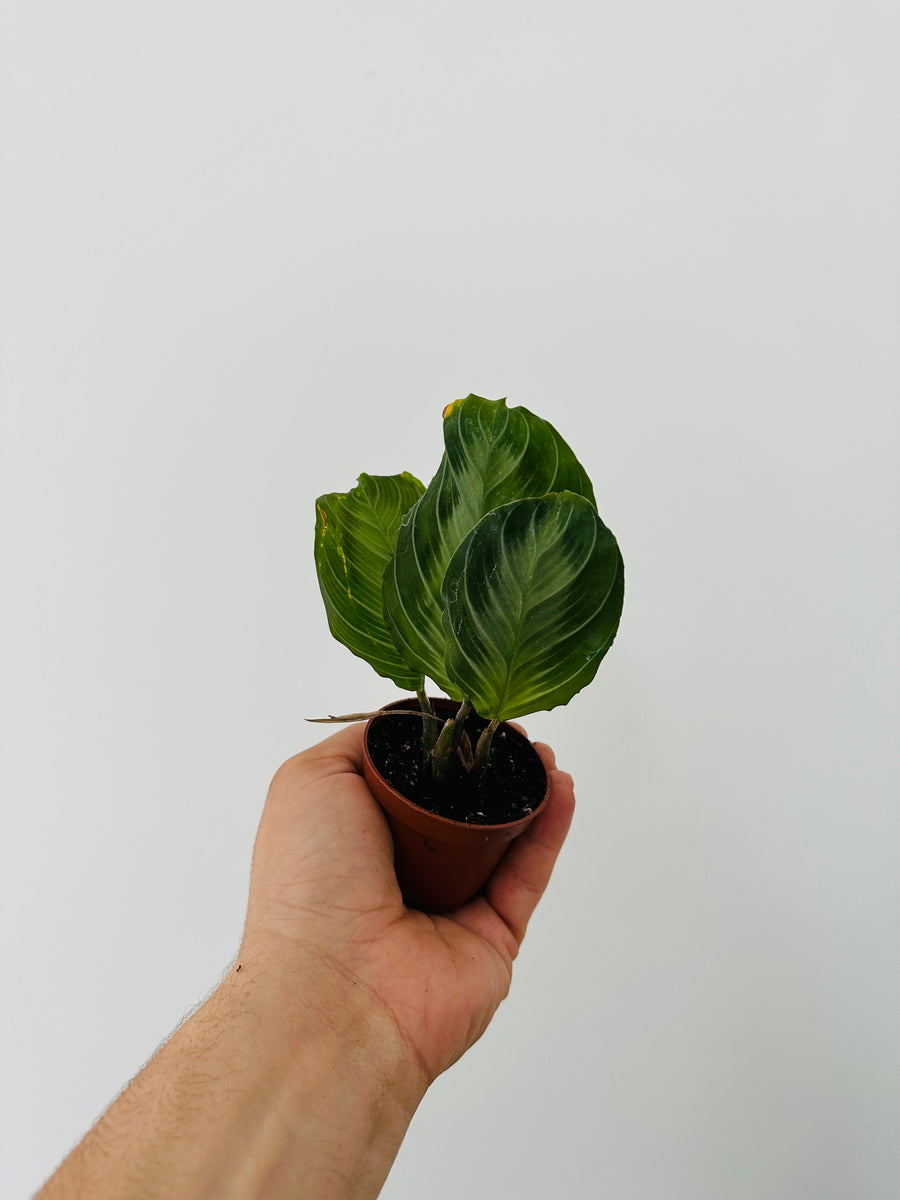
(356, 533)
(533, 598)
(493, 455)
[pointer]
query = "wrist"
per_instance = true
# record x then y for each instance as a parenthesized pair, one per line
(329, 1068)
(300, 1006)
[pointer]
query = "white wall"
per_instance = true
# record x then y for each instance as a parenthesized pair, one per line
(252, 250)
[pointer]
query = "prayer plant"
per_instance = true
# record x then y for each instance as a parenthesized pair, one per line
(498, 581)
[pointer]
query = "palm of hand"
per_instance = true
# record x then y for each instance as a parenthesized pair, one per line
(323, 878)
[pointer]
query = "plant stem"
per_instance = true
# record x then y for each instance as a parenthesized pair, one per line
(429, 729)
(483, 749)
(444, 754)
(462, 715)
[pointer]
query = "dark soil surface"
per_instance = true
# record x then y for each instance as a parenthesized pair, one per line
(511, 787)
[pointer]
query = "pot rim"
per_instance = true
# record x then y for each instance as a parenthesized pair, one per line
(448, 822)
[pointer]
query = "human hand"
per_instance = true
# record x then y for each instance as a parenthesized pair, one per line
(325, 909)
(300, 1074)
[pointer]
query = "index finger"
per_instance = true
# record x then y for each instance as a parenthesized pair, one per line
(524, 871)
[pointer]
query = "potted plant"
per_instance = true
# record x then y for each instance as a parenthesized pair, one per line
(499, 582)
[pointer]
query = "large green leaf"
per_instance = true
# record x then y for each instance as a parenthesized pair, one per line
(493, 455)
(356, 533)
(533, 598)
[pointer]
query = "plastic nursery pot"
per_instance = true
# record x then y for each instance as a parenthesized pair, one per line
(443, 863)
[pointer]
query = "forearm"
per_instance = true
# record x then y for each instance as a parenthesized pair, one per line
(274, 1088)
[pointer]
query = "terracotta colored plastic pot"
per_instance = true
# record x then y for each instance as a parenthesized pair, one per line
(440, 863)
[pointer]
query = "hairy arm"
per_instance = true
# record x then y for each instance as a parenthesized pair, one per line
(267, 1090)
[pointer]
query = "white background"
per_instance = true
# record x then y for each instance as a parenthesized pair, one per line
(251, 251)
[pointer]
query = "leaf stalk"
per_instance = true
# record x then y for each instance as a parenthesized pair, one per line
(483, 749)
(445, 753)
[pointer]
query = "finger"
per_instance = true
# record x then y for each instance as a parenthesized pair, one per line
(547, 755)
(548, 758)
(346, 744)
(524, 871)
(338, 754)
